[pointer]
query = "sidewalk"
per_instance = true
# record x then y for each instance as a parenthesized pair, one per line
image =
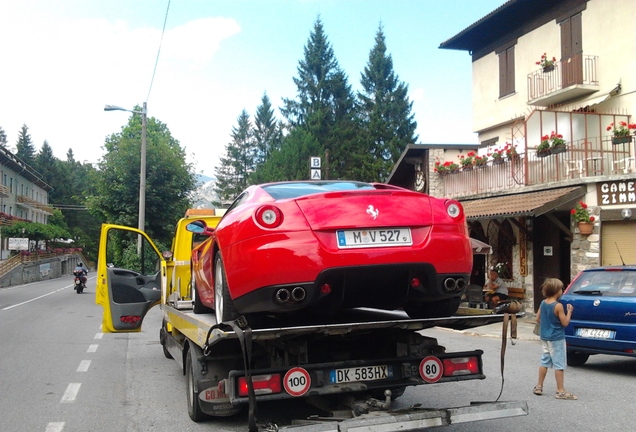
(525, 325)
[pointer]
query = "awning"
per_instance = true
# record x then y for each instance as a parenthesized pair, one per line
(479, 247)
(525, 204)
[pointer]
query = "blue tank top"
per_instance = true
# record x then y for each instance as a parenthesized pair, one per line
(551, 327)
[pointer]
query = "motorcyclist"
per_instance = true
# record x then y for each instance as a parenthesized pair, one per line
(81, 271)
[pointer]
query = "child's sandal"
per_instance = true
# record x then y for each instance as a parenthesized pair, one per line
(538, 390)
(565, 395)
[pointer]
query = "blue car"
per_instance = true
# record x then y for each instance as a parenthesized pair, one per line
(604, 316)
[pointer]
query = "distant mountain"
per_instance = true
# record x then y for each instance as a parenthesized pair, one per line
(204, 195)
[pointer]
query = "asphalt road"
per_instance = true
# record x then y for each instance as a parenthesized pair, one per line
(59, 373)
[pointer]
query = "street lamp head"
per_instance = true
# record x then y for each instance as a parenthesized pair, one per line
(113, 108)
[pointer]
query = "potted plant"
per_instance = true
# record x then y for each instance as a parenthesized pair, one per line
(557, 143)
(543, 149)
(481, 161)
(467, 162)
(582, 217)
(621, 134)
(511, 152)
(446, 167)
(546, 64)
(497, 156)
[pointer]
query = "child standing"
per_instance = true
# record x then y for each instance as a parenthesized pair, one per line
(553, 320)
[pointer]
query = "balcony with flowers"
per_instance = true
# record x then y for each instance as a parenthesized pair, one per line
(558, 81)
(557, 148)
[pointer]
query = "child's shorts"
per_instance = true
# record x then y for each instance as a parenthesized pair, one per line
(554, 354)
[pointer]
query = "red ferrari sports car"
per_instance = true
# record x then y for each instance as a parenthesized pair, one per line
(320, 246)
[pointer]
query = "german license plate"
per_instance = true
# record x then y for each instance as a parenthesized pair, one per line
(361, 238)
(595, 333)
(367, 373)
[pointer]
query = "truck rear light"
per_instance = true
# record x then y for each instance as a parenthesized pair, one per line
(461, 366)
(130, 319)
(269, 216)
(263, 384)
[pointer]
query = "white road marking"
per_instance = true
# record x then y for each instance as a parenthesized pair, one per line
(28, 301)
(92, 348)
(99, 335)
(84, 365)
(71, 393)
(54, 427)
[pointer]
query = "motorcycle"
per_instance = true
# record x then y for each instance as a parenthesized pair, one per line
(80, 281)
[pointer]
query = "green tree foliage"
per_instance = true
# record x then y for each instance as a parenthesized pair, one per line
(71, 181)
(25, 148)
(325, 107)
(169, 179)
(36, 231)
(291, 161)
(267, 133)
(3, 137)
(232, 175)
(386, 109)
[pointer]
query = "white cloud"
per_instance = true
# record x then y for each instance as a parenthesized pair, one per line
(59, 73)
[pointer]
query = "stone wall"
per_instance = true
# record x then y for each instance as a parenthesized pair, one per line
(586, 249)
(44, 269)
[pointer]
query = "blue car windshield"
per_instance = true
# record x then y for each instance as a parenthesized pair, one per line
(606, 283)
(298, 189)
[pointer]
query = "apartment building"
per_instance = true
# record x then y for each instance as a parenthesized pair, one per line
(23, 195)
(565, 73)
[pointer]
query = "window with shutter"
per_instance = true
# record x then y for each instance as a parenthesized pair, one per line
(506, 71)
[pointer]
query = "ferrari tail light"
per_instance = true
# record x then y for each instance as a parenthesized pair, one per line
(269, 216)
(415, 283)
(453, 209)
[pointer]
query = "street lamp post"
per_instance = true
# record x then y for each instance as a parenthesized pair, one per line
(142, 170)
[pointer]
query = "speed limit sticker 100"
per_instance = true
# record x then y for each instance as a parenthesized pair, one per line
(297, 381)
(431, 369)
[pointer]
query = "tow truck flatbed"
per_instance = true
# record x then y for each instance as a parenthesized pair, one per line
(197, 327)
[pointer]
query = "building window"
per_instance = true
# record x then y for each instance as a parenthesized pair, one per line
(506, 71)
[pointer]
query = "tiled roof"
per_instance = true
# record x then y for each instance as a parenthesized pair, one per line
(525, 204)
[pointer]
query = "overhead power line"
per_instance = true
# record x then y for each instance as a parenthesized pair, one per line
(165, 20)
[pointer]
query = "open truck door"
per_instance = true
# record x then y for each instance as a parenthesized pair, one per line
(130, 275)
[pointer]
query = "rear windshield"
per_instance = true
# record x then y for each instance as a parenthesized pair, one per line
(299, 189)
(606, 283)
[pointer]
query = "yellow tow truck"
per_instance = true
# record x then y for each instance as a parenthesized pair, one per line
(364, 358)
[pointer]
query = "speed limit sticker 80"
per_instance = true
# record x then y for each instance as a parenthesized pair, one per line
(431, 369)
(297, 381)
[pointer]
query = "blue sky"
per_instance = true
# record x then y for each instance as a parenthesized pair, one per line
(63, 60)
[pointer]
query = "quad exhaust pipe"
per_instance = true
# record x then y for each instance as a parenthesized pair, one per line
(297, 294)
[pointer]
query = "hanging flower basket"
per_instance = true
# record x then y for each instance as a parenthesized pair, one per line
(586, 228)
(621, 140)
(543, 153)
(558, 149)
(548, 68)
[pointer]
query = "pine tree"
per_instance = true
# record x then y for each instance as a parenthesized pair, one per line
(389, 123)
(3, 137)
(266, 132)
(25, 148)
(325, 107)
(232, 175)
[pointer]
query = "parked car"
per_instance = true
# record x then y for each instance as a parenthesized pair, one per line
(327, 245)
(604, 316)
